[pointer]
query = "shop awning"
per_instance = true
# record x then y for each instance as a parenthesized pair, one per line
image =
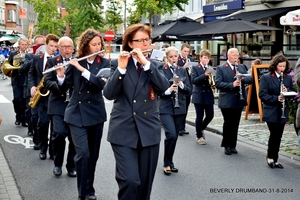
(256, 15)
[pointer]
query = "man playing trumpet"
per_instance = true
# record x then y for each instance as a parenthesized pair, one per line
(203, 97)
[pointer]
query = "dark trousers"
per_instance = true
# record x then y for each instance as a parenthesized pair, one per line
(19, 102)
(183, 122)
(34, 122)
(87, 142)
(43, 127)
(171, 124)
(61, 130)
(200, 123)
(135, 170)
(231, 123)
(276, 131)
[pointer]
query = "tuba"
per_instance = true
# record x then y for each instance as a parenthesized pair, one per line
(7, 68)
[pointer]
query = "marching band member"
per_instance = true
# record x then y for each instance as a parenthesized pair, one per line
(31, 112)
(17, 82)
(203, 97)
(134, 128)
(183, 61)
(85, 112)
(34, 79)
(232, 98)
(56, 109)
(275, 110)
(172, 106)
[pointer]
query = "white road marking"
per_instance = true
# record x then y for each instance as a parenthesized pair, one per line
(3, 99)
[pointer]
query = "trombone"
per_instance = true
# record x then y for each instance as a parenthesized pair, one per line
(66, 64)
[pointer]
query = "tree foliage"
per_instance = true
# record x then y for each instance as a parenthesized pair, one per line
(113, 15)
(83, 15)
(49, 19)
(150, 8)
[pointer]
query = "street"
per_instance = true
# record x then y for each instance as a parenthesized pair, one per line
(205, 172)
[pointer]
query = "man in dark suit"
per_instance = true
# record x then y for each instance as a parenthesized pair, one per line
(56, 109)
(17, 82)
(232, 98)
(134, 127)
(30, 112)
(183, 61)
(34, 78)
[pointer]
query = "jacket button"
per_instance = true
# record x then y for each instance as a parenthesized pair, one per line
(79, 102)
(145, 100)
(88, 92)
(145, 113)
(134, 101)
(89, 102)
(134, 113)
(120, 77)
(79, 92)
(62, 95)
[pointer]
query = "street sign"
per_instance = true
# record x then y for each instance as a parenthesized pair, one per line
(109, 35)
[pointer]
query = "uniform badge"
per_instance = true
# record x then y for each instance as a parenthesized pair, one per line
(152, 94)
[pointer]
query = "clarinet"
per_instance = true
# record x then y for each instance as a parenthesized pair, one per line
(68, 91)
(281, 90)
(175, 81)
(237, 77)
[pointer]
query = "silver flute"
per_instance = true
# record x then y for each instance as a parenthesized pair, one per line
(127, 54)
(238, 78)
(66, 64)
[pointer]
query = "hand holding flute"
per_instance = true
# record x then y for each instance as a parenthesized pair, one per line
(137, 53)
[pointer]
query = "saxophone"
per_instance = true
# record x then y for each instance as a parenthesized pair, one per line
(40, 91)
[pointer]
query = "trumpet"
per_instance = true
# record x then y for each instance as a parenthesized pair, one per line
(281, 90)
(66, 64)
(238, 78)
(130, 53)
(211, 79)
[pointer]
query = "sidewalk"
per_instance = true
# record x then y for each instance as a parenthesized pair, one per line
(252, 130)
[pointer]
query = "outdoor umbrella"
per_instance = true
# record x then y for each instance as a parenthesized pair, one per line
(174, 30)
(230, 26)
(291, 18)
(9, 38)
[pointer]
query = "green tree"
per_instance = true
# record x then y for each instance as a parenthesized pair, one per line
(150, 8)
(113, 15)
(49, 19)
(83, 15)
(132, 17)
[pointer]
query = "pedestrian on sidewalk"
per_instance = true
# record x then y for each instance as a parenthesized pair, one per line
(275, 109)
(203, 97)
(232, 98)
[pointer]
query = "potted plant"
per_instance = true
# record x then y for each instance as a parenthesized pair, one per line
(254, 46)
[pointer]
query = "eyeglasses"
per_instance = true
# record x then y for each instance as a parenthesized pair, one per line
(66, 47)
(142, 40)
(173, 56)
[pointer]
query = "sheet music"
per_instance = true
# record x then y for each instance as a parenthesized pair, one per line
(157, 55)
(191, 64)
(103, 73)
(289, 93)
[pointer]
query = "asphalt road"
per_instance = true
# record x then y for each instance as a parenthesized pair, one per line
(205, 172)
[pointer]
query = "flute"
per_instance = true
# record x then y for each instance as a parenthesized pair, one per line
(130, 53)
(65, 64)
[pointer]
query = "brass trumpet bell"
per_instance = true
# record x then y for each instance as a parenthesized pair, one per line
(7, 68)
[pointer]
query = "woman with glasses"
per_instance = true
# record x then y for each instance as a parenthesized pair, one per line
(85, 113)
(134, 127)
(172, 106)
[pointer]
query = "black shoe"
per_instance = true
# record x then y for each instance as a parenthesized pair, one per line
(167, 172)
(91, 197)
(57, 171)
(233, 151)
(175, 170)
(17, 122)
(51, 157)
(81, 198)
(42, 156)
(24, 124)
(72, 173)
(183, 132)
(30, 133)
(36, 147)
(278, 165)
(227, 151)
(271, 164)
